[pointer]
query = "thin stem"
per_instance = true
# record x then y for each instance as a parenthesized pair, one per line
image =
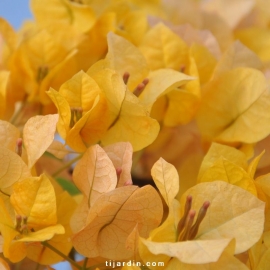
(18, 265)
(15, 116)
(85, 263)
(37, 266)
(46, 244)
(136, 158)
(67, 165)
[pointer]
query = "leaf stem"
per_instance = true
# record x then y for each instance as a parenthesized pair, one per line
(136, 158)
(46, 244)
(18, 265)
(66, 165)
(85, 263)
(15, 116)
(37, 266)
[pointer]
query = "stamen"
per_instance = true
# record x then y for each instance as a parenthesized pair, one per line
(76, 115)
(79, 113)
(24, 219)
(24, 229)
(182, 221)
(18, 223)
(145, 81)
(138, 90)
(186, 233)
(128, 183)
(19, 143)
(182, 68)
(42, 73)
(185, 229)
(126, 77)
(72, 122)
(118, 172)
(201, 215)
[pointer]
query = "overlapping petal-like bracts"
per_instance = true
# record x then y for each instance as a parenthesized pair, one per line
(100, 108)
(185, 80)
(34, 203)
(217, 236)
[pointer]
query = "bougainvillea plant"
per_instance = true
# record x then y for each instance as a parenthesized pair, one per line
(136, 135)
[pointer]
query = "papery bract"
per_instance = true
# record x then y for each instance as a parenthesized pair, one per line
(12, 169)
(65, 208)
(37, 202)
(119, 210)
(36, 219)
(4, 75)
(166, 179)
(81, 17)
(8, 135)
(121, 156)
(38, 134)
(227, 164)
(94, 174)
(216, 230)
(219, 121)
(231, 11)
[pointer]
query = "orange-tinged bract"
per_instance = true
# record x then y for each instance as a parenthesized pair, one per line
(100, 108)
(136, 133)
(38, 134)
(119, 211)
(216, 229)
(33, 201)
(220, 122)
(121, 156)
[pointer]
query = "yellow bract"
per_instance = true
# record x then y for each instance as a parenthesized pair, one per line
(37, 202)
(125, 57)
(231, 11)
(33, 200)
(8, 135)
(229, 205)
(121, 156)
(12, 169)
(65, 12)
(108, 112)
(38, 134)
(119, 210)
(166, 179)
(95, 174)
(261, 36)
(222, 223)
(8, 40)
(65, 208)
(168, 50)
(4, 75)
(227, 164)
(220, 122)
(237, 55)
(4, 265)
(132, 124)
(185, 80)
(37, 64)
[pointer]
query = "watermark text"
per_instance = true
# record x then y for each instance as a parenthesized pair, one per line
(114, 264)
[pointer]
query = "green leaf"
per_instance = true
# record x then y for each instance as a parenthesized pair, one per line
(68, 186)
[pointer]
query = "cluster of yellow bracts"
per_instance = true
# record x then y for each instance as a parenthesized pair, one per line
(180, 86)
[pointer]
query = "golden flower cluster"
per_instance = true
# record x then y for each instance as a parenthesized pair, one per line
(98, 98)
